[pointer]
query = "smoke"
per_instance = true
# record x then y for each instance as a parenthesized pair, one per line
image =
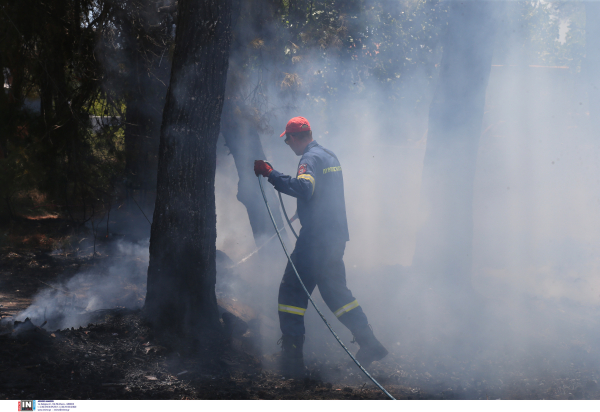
(117, 281)
(535, 200)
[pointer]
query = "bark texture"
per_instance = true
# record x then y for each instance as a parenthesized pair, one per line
(181, 273)
(444, 243)
(243, 141)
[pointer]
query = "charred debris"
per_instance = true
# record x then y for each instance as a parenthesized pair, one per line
(115, 354)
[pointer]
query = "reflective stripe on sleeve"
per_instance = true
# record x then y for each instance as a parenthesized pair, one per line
(292, 309)
(346, 308)
(310, 179)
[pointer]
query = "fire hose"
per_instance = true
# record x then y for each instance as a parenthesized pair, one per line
(306, 291)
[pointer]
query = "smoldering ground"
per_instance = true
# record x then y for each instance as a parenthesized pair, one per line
(117, 281)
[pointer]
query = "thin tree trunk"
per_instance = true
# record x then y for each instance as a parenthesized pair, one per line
(134, 126)
(251, 20)
(182, 273)
(243, 141)
(145, 96)
(444, 243)
(5, 126)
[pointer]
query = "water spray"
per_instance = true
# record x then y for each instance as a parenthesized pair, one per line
(308, 294)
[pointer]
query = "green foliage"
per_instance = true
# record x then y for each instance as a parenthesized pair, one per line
(101, 107)
(366, 44)
(64, 62)
(69, 60)
(320, 53)
(48, 50)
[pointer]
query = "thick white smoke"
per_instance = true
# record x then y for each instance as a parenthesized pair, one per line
(536, 217)
(119, 280)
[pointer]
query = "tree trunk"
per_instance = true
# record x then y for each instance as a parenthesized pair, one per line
(146, 90)
(444, 243)
(243, 141)
(142, 130)
(134, 126)
(181, 273)
(239, 125)
(4, 125)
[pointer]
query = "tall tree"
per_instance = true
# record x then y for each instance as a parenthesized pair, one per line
(50, 55)
(146, 39)
(242, 139)
(181, 273)
(444, 243)
(254, 46)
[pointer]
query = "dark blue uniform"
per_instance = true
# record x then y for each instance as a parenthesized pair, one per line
(318, 255)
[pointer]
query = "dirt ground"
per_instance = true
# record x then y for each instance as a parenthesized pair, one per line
(116, 357)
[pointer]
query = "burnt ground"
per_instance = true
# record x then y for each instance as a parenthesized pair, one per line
(115, 359)
(115, 355)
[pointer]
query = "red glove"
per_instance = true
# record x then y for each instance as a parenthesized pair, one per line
(262, 167)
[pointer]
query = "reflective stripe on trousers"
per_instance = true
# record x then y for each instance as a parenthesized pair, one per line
(346, 308)
(294, 310)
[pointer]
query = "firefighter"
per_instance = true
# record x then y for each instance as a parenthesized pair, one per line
(318, 255)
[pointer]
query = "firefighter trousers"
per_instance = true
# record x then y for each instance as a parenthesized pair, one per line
(319, 263)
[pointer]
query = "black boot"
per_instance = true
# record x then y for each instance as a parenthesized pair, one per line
(292, 360)
(371, 349)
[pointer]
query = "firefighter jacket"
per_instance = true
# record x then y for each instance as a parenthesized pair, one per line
(319, 188)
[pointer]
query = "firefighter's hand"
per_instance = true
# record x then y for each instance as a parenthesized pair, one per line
(262, 167)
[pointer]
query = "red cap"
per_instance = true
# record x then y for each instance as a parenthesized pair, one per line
(296, 124)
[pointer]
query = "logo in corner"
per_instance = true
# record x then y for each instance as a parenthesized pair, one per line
(302, 169)
(27, 405)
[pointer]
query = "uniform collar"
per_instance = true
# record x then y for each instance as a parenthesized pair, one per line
(310, 146)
